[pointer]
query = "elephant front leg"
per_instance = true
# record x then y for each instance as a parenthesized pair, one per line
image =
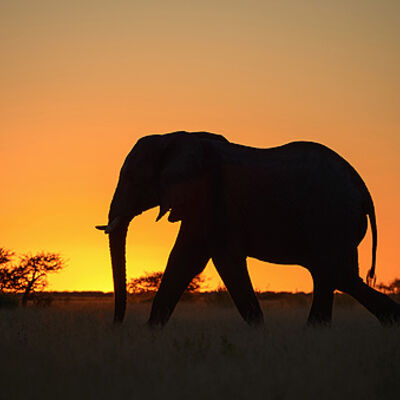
(188, 258)
(233, 272)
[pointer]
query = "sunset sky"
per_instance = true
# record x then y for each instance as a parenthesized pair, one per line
(81, 81)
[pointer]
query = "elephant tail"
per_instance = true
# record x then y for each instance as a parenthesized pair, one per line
(371, 278)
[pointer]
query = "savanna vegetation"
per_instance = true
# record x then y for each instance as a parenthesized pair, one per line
(71, 350)
(27, 276)
(150, 281)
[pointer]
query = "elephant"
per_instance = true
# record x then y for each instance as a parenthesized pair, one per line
(300, 203)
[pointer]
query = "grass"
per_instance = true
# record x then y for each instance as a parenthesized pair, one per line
(71, 351)
(8, 300)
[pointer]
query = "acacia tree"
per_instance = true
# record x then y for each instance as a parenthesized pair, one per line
(150, 282)
(30, 274)
(6, 257)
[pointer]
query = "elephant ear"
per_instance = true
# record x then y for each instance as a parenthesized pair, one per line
(181, 175)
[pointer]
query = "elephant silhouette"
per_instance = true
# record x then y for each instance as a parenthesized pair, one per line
(300, 203)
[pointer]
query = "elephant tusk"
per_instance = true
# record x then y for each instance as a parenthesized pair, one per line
(163, 211)
(110, 227)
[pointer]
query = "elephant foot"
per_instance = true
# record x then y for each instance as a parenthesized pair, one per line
(391, 318)
(318, 323)
(154, 325)
(256, 323)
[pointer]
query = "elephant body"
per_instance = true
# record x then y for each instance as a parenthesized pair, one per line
(284, 206)
(300, 203)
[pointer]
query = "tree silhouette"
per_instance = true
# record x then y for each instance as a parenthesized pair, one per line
(30, 274)
(393, 287)
(150, 282)
(6, 257)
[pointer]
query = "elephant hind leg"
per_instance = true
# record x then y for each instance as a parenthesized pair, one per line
(327, 268)
(322, 303)
(382, 306)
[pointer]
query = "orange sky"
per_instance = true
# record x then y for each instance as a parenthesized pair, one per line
(82, 80)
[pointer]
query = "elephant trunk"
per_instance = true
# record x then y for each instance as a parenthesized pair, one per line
(117, 240)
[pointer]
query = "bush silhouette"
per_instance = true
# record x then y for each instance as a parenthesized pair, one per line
(150, 282)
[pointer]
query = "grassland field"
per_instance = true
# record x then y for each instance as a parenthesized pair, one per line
(71, 351)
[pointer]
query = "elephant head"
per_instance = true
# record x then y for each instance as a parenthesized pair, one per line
(160, 170)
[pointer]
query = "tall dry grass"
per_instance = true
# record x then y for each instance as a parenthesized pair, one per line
(71, 351)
